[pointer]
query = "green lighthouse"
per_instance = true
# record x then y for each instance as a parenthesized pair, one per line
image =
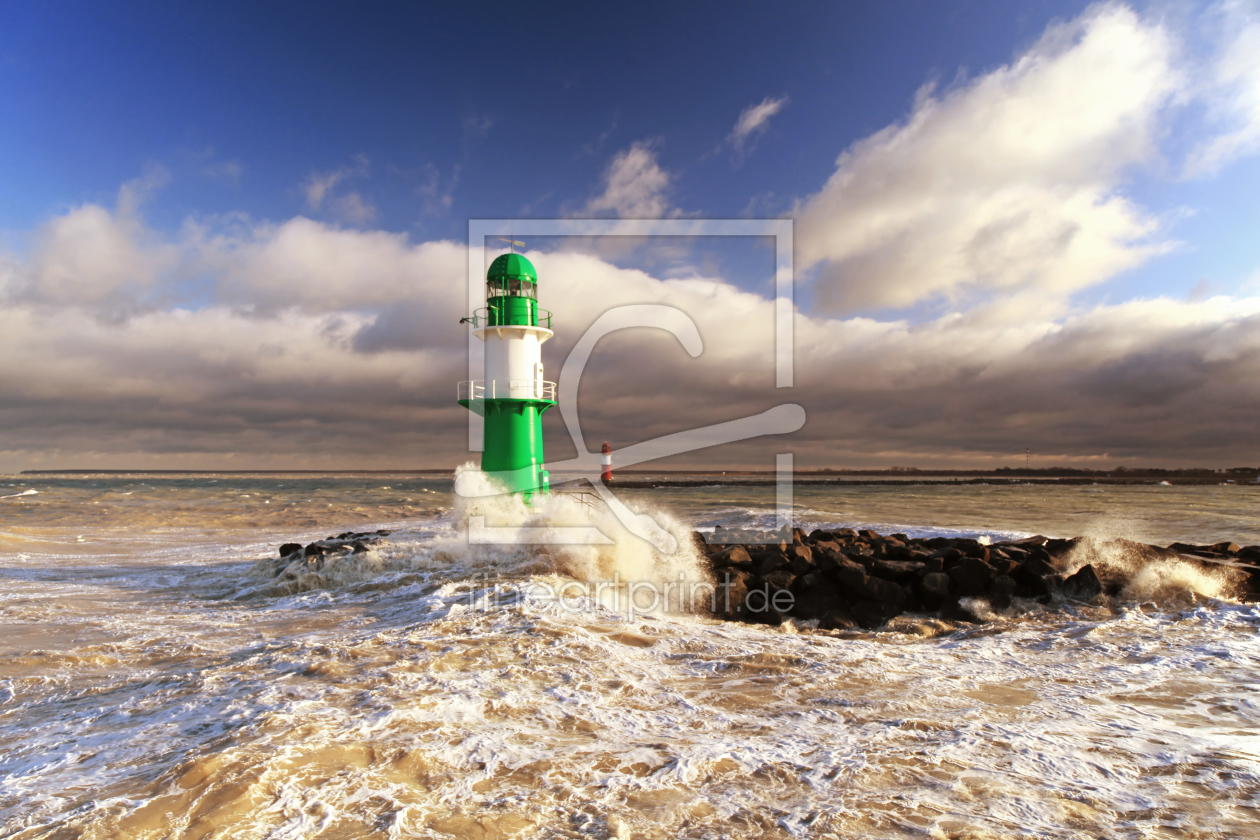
(514, 393)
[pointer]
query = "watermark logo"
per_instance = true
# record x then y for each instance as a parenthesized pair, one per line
(630, 599)
(782, 419)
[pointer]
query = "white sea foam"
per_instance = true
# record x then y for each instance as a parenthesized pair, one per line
(529, 539)
(809, 519)
(673, 727)
(1147, 576)
(439, 693)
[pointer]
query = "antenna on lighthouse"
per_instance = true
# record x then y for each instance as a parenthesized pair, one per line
(512, 243)
(1027, 455)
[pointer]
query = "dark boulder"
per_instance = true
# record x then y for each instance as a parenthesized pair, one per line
(1015, 552)
(1061, 548)
(881, 591)
(771, 563)
(1039, 554)
(731, 592)
(968, 610)
(1036, 579)
(934, 590)
(899, 552)
(290, 548)
(849, 574)
(1195, 550)
(816, 596)
(1249, 586)
(828, 561)
(898, 571)
(967, 546)
(800, 559)
(767, 602)
(1034, 567)
(840, 619)
(734, 557)
(779, 579)
(872, 614)
(999, 592)
(969, 576)
(863, 560)
(1083, 586)
(1003, 565)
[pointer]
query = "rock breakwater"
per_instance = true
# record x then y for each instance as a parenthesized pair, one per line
(839, 579)
(844, 578)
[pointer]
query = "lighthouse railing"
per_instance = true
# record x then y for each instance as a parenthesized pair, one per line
(481, 318)
(506, 389)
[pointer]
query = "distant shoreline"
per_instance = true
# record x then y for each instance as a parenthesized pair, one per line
(760, 478)
(920, 482)
(1056, 475)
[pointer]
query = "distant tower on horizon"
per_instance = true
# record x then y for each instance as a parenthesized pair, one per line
(605, 462)
(514, 394)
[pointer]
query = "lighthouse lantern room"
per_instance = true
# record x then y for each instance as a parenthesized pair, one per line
(514, 393)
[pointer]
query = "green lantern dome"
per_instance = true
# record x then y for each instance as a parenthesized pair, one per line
(512, 267)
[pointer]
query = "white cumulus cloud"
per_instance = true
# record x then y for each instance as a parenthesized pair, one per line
(1008, 182)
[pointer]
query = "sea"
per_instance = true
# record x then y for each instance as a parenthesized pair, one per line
(164, 675)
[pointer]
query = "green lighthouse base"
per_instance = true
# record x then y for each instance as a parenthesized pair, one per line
(513, 446)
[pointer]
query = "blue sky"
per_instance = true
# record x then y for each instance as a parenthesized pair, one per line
(438, 115)
(1047, 163)
(508, 109)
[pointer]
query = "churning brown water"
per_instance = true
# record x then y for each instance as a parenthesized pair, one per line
(155, 682)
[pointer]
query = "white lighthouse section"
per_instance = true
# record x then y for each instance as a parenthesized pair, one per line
(514, 366)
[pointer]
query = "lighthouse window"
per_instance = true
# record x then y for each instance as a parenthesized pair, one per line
(516, 287)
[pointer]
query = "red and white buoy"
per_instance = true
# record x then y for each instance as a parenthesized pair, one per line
(606, 461)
